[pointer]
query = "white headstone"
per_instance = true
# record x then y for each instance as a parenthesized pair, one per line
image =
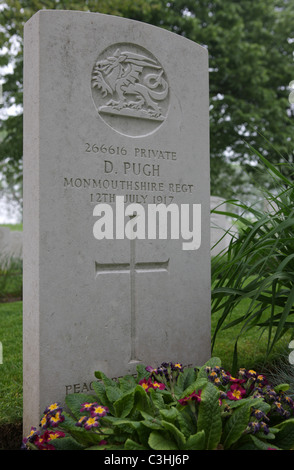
(113, 108)
(220, 233)
(4, 243)
(10, 246)
(15, 245)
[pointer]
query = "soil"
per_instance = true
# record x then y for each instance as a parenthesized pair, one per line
(10, 436)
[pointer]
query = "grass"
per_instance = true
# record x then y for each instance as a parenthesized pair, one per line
(13, 227)
(252, 345)
(11, 342)
(11, 368)
(10, 279)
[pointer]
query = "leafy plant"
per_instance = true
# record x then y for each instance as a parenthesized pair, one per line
(259, 265)
(171, 408)
(10, 276)
(282, 370)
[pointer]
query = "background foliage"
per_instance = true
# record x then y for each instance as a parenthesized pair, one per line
(258, 265)
(251, 65)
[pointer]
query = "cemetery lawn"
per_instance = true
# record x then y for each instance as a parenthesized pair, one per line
(11, 375)
(252, 345)
(11, 368)
(14, 227)
(252, 349)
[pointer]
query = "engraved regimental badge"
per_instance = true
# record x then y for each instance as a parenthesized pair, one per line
(130, 89)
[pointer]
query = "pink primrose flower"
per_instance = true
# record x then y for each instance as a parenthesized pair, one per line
(192, 397)
(236, 392)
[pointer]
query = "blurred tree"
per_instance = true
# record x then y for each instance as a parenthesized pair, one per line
(250, 48)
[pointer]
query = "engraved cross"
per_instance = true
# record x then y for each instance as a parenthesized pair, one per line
(132, 268)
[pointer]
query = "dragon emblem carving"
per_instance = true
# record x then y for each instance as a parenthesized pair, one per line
(130, 84)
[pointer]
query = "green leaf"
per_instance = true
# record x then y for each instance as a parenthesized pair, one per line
(143, 432)
(108, 390)
(161, 441)
(99, 389)
(176, 433)
(124, 405)
(285, 437)
(261, 445)
(85, 437)
(284, 315)
(157, 399)
(282, 387)
(106, 380)
(113, 393)
(199, 384)
(235, 359)
(169, 415)
(69, 422)
(127, 383)
(209, 416)
(185, 379)
(186, 422)
(67, 443)
(142, 400)
(237, 423)
(74, 402)
(196, 441)
(124, 425)
(132, 445)
(141, 372)
(166, 395)
(270, 166)
(151, 422)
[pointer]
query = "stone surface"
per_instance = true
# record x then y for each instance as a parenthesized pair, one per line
(16, 244)
(10, 245)
(112, 107)
(4, 242)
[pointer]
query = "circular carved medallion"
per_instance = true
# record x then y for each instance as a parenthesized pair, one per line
(130, 89)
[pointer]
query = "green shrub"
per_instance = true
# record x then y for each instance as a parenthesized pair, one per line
(281, 370)
(171, 408)
(259, 265)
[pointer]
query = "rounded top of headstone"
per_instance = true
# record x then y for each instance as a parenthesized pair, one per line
(130, 89)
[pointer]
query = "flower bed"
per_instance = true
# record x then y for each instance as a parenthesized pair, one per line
(171, 408)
